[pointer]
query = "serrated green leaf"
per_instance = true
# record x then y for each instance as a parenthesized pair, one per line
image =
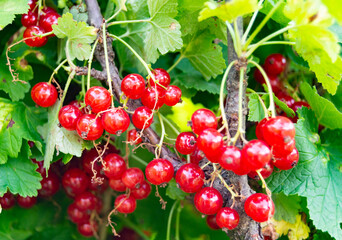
(286, 207)
(228, 11)
(256, 112)
(325, 111)
(79, 13)
(289, 112)
(334, 7)
(317, 175)
(174, 192)
(278, 15)
(10, 8)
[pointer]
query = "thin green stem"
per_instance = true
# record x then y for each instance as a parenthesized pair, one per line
(134, 156)
(55, 71)
(262, 24)
(83, 85)
(238, 40)
(90, 62)
(168, 232)
(109, 78)
(179, 210)
(114, 15)
(175, 130)
(67, 54)
(251, 22)
(232, 34)
(128, 21)
(227, 187)
(160, 144)
(39, 9)
(176, 63)
(273, 43)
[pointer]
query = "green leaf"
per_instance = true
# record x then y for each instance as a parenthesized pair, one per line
(325, 111)
(9, 9)
(286, 207)
(174, 192)
(228, 11)
(278, 15)
(334, 7)
(79, 13)
(79, 35)
(289, 112)
(256, 112)
(19, 175)
(318, 174)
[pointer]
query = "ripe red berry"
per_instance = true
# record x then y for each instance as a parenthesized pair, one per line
(159, 171)
(256, 154)
(208, 201)
(78, 105)
(44, 94)
(7, 200)
(75, 182)
(265, 171)
(33, 40)
(298, 105)
(142, 117)
(85, 201)
(89, 127)
(87, 158)
(258, 129)
(47, 20)
(98, 187)
(117, 185)
(142, 192)
(114, 166)
(133, 86)
(211, 222)
(134, 137)
(98, 98)
(40, 168)
(259, 207)
(32, 4)
(76, 215)
(87, 229)
(287, 162)
(278, 131)
(26, 202)
(115, 121)
(196, 156)
(47, 10)
(186, 143)
(227, 218)
(125, 204)
(68, 117)
(284, 97)
(203, 119)
(173, 95)
(275, 64)
(230, 158)
(275, 82)
(162, 77)
(153, 98)
(29, 19)
(132, 177)
(50, 185)
(190, 178)
(210, 141)
(281, 150)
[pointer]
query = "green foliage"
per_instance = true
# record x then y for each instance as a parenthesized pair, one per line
(9, 9)
(334, 7)
(256, 112)
(278, 15)
(174, 192)
(286, 207)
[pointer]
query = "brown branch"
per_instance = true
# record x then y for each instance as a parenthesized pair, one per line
(99, 75)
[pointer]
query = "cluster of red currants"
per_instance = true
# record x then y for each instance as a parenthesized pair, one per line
(38, 25)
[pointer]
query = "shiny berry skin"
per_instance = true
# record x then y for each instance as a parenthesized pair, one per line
(89, 127)
(142, 117)
(256, 154)
(68, 117)
(99, 187)
(186, 143)
(114, 166)
(230, 158)
(278, 131)
(190, 178)
(265, 171)
(242, 168)
(142, 192)
(7, 201)
(259, 207)
(87, 229)
(172, 96)
(47, 20)
(26, 202)
(287, 162)
(227, 218)
(47, 10)
(85, 201)
(98, 98)
(275, 64)
(161, 76)
(153, 98)
(124, 204)
(281, 150)
(76, 215)
(88, 157)
(258, 129)
(203, 119)
(115, 121)
(133, 86)
(75, 181)
(208, 201)
(34, 41)
(284, 97)
(159, 171)
(196, 156)
(210, 141)
(133, 177)
(44, 94)
(29, 19)
(78, 105)
(134, 137)
(211, 222)
(117, 185)
(32, 4)
(50, 185)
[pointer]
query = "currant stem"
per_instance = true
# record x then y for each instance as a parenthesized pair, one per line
(264, 184)
(90, 62)
(128, 21)
(55, 71)
(179, 210)
(176, 63)
(175, 130)
(232, 34)
(272, 43)
(67, 54)
(169, 221)
(134, 156)
(115, 14)
(251, 22)
(160, 144)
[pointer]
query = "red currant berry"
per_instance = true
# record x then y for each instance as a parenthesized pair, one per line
(284, 97)
(196, 156)
(203, 119)
(227, 218)
(29, 19)
(265, 172)
(256, 154)
(259, 127)
(159, 171)
(190, 178)
(275, 64)
(33, 40)
(75, 182)
(125, 204)
(276, 84)
(98, 98)
(142, 117)
(133, 137)
(68, 117)
(44, 94)
(47, 20)
(211, 222)
(132, 177)
(50, 185)
(242, 168)
(115, 121)
(259, 207)
(173, 95)
(133, 86)
(7, 201)
(89, 127)
(142, 192)
(117, 185)
(288, 161)
(26, 202)
(40, 168)
(281, 150)
(88, 157)
(87, 229)
(76, 215)
(153, 98)
(298, 105)
(186, 143)
(208, 201)
(278, 131)
(47, 10)
(78, 105)
(210, 142)
(85, 201)
(32, 4)
(99, 187)
(230, 158)
(162, 77)
(114, 166)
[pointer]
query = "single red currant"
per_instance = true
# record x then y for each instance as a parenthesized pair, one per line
(133, 86)
(208, 201)
(29, 19)
(186, 143)
(142, 192)
(142, 117)
(227, 218)
(99, 187)
(173, 95)
(78, 105)
(190, 178)
(114, 166)
(162, 77)
(47, 10)
(256, 154)
(259, 127)
(153, 98)
(32, 4)
(278, 131)
(265, 171)
(210, 141)
(85, 201)
(7, 201)
(284, 97)
(196, 156)
(87, 162)
(275, 64)
(115, 121)
(31, 38)
(133, 137)
(75, 182)
(281, 150)
(76, 215)
(288, 161)
(44, 94)
(89, 127)
(50, 185)
(211, 222)
(230, 158)
(125, 204)
(159, 171)
(117, 185)
(68, 117)
(133, 177)
(47, 20)
(259, 207)
(98, 98)
(26, 202)
(87, 229)
(203, 119)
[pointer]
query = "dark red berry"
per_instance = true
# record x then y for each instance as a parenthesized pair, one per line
(287, 162)
(208, 201)
(75, 182)
(29, 19)
(210, 141)
(142, 117)
(284, 97)
(133, 137)
(89, 127)
(133, 177)
(227, 218)
(117, 185)
(114, 166)
(173, 95)
(32, 4)
(230, 158)
(259, 207)
(298, 105)
(26, 202)
(153, 98)
(142, 192)
(88, 157)
(99, 187)
(190, 178)
(265, 171)
(256, 154)
(40, 168)
(133, 86)
(47, 20)
(159, 171)
(125, 204)
(50, 185)
(115, 121)
(211, 222)
(186, 143)
(98, 98)
(44, 94)
(33, 40)
(278, 131)
(203, 119)
(196, 156)
(76, 215)
(68, 117)
(7, 200)
(87, 229)
(86, 201)
(275, 82)
(275, 64)
(162, 77)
